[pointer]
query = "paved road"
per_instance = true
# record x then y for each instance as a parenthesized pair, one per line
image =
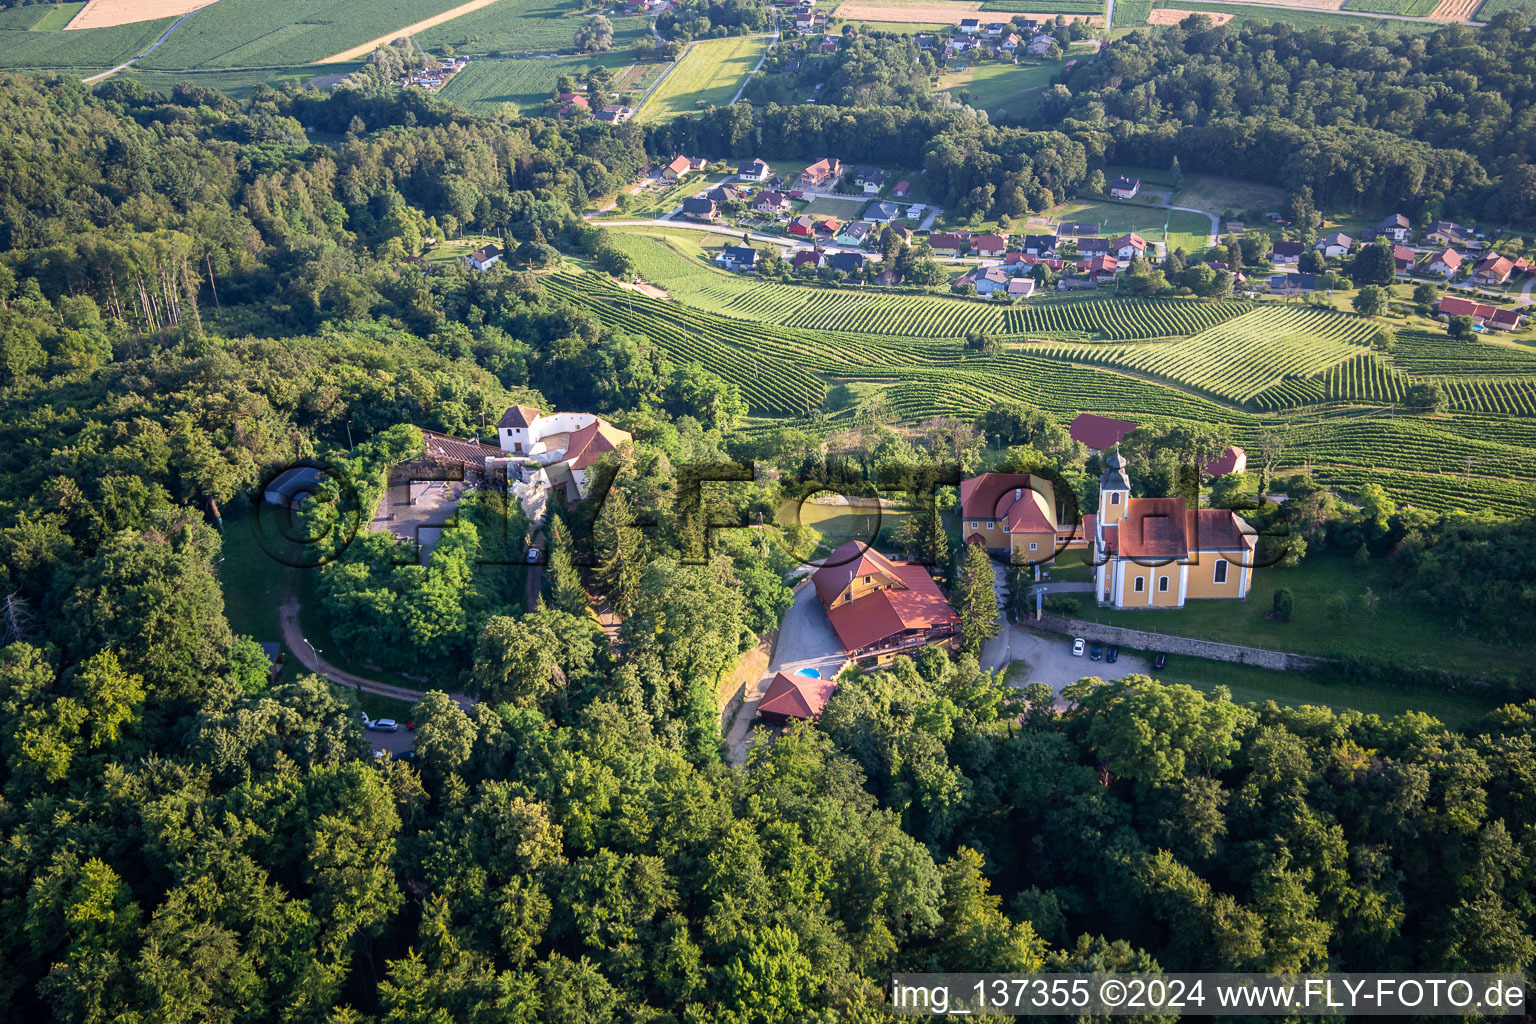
(805, 640)
(759, 67)
(152, 48)
(310, 658)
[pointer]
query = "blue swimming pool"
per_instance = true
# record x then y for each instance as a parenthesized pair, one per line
(811, 672)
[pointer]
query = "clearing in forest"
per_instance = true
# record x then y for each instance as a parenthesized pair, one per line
(106, 13)
(364, 49)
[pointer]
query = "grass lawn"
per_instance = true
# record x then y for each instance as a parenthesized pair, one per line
(1181, 230)
(1000, 88)
(709, 73)
(1248, 683)
(56, 18)
(1208, 192)
(457, 249)
(1328, 620)
(254, 585)
(485, 85)
(843, 209)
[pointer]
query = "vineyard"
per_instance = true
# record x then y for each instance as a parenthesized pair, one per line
(1307, 372)
(1241, 358)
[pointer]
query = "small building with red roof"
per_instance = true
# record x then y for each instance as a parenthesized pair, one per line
(795, 698)
(880, 608)
(1014, 514)
(1100, 432)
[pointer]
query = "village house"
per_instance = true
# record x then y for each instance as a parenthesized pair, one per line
(1041, 45)
(483, 257)
(1039, 245)
(1122, 187)
(1446, 263)
(1014, 516)
(1287, 253)
(1334, 245)
(1021, 287)
(847, 262)
(828, 228)
(989, 246)
(883, 212)
(677, 168)
(986, 280)
(880, 608)
(1493, 270)
(1448, 233)
(1129, 246)
(946, 244)
(723, 194)
(757, 170)
(870, 179)
(1159, 553)
(1396, 228)
(803, 226)
(901, 231)
(791, 698)
(555, 450)
(995, 29)
(741, 258)
(770, 201)
(970, 26)
(1293, 284)
(823, 173)
(1089, 247)
(1403, 258)
(1103, 267)
(856, 233)
(812, 258)
(1010, 43)
(698, 208)
(902, 189)
(1481, 313)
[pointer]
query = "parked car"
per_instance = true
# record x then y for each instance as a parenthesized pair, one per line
(533, 556)
(384, 725)
(1160, 661)
(1113, 654)
(1095, 652)
(1077, 647)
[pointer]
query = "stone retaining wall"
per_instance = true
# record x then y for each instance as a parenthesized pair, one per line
(1144, 641)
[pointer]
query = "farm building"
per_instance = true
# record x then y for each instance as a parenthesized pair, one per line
(880, 608)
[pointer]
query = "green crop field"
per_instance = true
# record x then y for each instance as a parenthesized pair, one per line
(1308, 372)
(1301, 17)
(1001, 88)
(709, 73)
(1045, 6)
(1409, 8)
(486, 84)
(1242, 357)
(55, 17)
(1491, 7)
(23, 45)
(1180, 229)
(278, 33)
(525, 26)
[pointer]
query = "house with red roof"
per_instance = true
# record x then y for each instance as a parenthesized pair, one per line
(802, 226)
(1446, 263)
(1493, 270)
(1404, 258)
(946, 244)
(1014, 515)
(989, 246)
(556, 450)
(795, 698)
(1159, 552)
(1455, 305)
(677, 168)
(880, 608)
(823, 172)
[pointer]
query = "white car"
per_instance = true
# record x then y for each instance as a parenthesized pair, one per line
(533, 556)
(1077, 647)
(384, 725)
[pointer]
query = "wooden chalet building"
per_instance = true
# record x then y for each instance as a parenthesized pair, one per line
(880, 608)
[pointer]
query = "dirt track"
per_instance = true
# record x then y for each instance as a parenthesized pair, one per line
(364, 49)
(1173, 15)
(106, 13)
(946, 13)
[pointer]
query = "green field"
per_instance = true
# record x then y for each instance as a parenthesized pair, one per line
(1407, 8)
(1491, 7)
(26, 42)
(1245, 365)
(525, 26)
(54, 17)
(1000, 88)
(1328, 620)
(1046, 6)
(1300, 17)
(1179, 228)
(279, 33)
(484, 85)
(233, 83)
(709, 73)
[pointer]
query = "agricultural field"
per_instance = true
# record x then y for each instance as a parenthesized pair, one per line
(238, 84)
(1301, 17)
(524, 26)
(1178, 228)
(1242, 357)
(1489, 8)
(1000, 88)
(1209, 192)
(31, 39)
(485, 85)
(283, 33)
(1045, 6)
(710, 73)
(54, 18)
(832, 206)
(1407, 8)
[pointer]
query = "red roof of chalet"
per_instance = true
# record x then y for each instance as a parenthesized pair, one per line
(918, 604)
(796, 696)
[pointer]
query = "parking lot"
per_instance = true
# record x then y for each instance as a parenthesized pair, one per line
(1050, 658)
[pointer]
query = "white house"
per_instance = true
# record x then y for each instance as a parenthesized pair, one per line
(1124, 188)
(1446, 263)
(970, 26)
(1128, 247)
(757, 170)
(556, 451)
(484, 256)
(1334, 245)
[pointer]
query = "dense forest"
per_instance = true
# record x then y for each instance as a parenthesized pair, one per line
(1441, 122)
(195, 291)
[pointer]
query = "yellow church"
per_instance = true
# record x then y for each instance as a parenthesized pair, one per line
(1159, 553)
